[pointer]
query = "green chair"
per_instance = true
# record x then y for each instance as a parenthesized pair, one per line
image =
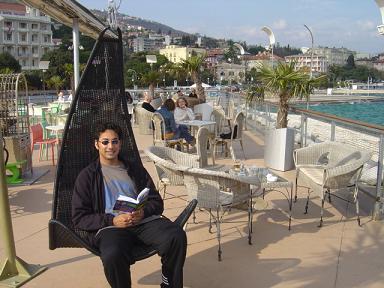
(14, 168)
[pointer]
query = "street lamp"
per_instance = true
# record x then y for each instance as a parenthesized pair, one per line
(310, 32)
(208, 80)
(380, 28)
(310, 66)
(271, 39)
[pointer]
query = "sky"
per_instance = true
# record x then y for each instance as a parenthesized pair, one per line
(334, 23)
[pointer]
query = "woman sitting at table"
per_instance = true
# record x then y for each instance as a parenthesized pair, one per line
(182, 112)
(172, 131)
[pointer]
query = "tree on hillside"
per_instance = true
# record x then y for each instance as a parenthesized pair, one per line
(350, 62)
(254, 50)
(9, 63)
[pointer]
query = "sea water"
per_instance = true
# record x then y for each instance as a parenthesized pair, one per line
(370, 112)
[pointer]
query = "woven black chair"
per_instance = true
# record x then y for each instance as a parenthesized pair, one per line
(99, 97)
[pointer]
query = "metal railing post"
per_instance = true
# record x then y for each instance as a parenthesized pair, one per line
(302, 119)
(333, 131)
(378, 210)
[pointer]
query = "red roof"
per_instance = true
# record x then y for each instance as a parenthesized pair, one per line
(12, 7)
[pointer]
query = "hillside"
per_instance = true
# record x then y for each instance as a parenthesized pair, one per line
(147, 24)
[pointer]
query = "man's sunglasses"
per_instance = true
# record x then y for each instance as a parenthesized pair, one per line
(106, 142)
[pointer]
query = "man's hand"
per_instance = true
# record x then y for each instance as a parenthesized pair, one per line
(137, 216)
(123, 220)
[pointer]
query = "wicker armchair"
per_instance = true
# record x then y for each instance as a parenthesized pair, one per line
(158, 133)
(329, 165)
(239, 123)
(162, 157)
(217, 192)
(144, 121)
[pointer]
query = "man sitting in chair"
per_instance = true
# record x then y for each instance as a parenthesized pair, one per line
(96, 189)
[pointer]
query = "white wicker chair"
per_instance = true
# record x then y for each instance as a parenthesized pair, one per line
(158, 133)
(143, 118)
(218, 191)
(239, 122)
(326, 166)
(162, 157)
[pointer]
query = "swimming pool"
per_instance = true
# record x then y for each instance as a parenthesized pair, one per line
(370, 112)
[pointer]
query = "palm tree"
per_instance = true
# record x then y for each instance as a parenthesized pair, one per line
(55, 82)
(151, 78)
(287, 83)
(193, 66)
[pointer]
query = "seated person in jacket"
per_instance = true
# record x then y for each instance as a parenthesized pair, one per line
(182, 111)
(96, 189)
(147, 102)
(193, 93)
(172, 131)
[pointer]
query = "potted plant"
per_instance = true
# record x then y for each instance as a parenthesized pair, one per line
(285, 82)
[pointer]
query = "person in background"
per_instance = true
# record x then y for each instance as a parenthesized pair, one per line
(70, 97)
(147, 102)
(177, 95)
(193, 93)
(60, 97)
(172, 131)
(182, 112)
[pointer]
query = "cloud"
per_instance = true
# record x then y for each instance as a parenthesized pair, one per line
(366, 25)
(279, 24)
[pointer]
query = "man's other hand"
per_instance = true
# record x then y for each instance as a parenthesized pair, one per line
(137, 216)
(123, 220)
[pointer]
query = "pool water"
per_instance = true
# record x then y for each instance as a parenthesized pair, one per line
(370, 112)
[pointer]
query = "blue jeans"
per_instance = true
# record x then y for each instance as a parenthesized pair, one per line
(183, 132)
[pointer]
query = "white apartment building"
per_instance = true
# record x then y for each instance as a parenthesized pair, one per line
(140, 44)
(176, 53)
(333, 56)
(319, 63)
(25, 33)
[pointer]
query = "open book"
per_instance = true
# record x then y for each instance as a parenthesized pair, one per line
(126, 204)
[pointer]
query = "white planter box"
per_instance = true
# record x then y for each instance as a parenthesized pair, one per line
(278, 151)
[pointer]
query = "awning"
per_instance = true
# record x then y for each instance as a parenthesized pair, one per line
(65, 10)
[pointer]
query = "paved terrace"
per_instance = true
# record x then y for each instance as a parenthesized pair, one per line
(340, 254)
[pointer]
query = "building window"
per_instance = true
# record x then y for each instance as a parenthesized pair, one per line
(8, 24)
(23, 25)
(35, 37)
(35, 50)
(47, 39)
(23, 63)
(43, 26)
(8, 36)
(35, 26)
(23, 37)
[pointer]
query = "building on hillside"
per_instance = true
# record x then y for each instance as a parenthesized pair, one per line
(259, 60)
(214, 57)
(230, 73)
(25, 33)
(367, 62)
(303, 61)
(333, 56)
(140, 44)
(176, 54)
(379, 63)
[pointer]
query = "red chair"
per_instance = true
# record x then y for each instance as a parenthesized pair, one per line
(38, 138)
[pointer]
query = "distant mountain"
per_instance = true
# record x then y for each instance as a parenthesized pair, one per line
(136, 21)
